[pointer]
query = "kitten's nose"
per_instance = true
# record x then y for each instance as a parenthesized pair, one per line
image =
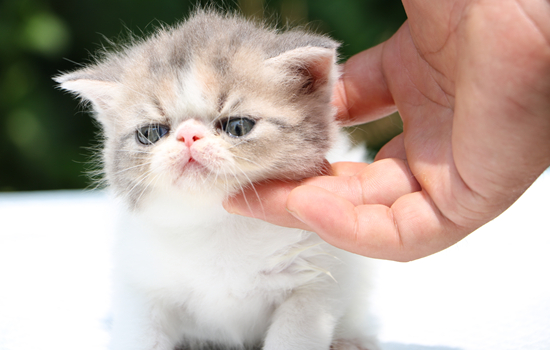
(189, 132)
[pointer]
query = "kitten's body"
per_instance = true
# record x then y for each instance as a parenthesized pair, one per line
(191, 116)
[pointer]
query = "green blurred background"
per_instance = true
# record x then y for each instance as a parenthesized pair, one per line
(45, 134)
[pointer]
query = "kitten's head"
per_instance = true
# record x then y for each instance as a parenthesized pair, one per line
(213, 104)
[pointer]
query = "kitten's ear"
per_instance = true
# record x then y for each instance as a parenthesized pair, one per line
(312, 66)
(89, 87)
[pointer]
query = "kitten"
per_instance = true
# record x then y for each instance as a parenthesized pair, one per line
(191, 116)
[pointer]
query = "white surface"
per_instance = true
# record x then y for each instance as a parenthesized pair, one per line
(54, 271)
(490, 291)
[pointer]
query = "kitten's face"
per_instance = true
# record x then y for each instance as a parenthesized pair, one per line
(229, 116)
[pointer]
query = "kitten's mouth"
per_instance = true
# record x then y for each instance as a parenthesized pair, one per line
(193, 165)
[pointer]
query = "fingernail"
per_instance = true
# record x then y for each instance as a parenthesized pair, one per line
(231, 208)
(295, 214)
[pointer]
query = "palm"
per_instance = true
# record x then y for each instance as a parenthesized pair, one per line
(453, 141)
(451, 103)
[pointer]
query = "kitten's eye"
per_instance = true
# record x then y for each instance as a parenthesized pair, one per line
(149, 134)
(237, 126)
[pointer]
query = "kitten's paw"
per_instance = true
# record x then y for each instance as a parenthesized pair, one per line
(345, 344)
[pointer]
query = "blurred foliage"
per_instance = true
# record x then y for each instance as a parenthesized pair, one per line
(44, 133)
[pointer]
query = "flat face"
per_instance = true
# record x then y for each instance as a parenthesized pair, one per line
(213, 105)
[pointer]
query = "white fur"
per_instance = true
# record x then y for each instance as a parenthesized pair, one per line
(186, 270)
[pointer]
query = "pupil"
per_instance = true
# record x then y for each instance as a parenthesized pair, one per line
(238, 128)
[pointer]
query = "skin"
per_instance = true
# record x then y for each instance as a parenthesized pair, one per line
(471, 80)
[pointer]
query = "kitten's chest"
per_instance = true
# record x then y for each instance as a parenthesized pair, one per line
(224, 257)
(219, 268)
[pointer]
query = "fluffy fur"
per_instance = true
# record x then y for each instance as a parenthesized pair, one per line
(190, 116)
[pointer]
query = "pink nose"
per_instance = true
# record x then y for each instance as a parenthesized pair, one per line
(190, 132)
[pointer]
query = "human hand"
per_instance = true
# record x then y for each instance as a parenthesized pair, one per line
(471, 80)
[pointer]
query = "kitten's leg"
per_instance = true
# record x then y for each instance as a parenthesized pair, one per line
(356, 330)
(139, 324)
(303, 322)
(314, 319)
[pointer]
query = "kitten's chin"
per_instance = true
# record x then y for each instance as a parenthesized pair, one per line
(195, 178)
(193, 169)
(198, 181)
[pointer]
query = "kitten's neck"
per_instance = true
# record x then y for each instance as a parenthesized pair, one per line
(174, 209)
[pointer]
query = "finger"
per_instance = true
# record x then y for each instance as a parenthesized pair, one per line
(265, 201)
(410, 229)
(395, 148)
(362, 94)
(348, 168)
(381, 182)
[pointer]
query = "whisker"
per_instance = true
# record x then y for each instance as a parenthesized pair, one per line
(133, 167)
(133, 151)
(248, 160)
(250, 184)
(155, 178)
(237, 144)
(205, 178)
(140, 179)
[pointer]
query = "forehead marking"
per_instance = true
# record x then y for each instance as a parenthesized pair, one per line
(191, 99)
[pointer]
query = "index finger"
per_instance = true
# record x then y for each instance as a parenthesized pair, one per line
(411, 228)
